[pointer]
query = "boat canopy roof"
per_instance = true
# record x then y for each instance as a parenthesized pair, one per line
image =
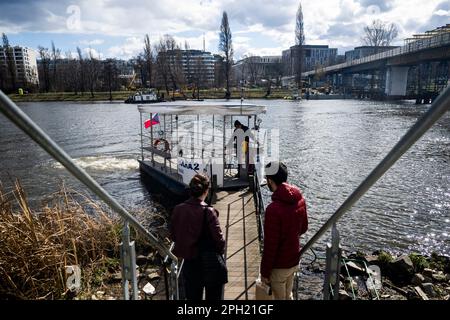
(198, 107)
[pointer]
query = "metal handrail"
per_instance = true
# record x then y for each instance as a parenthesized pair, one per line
(21, 120)
(259, 206)
(439, 107)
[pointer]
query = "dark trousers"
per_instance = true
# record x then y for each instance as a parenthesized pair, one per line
(194, 286)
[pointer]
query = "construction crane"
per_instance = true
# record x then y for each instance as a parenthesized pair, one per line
(131, 84)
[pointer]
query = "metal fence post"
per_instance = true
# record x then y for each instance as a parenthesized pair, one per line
(128, 261)
(174, 281)
(333, 266)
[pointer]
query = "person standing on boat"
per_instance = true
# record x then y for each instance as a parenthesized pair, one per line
(195, 226)
(241, 136)
(285, 221)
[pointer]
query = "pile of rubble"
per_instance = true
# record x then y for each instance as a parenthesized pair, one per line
(382, 276)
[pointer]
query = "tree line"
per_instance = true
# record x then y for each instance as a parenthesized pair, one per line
(163, 65)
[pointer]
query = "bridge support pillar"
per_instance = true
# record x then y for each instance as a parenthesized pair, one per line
(347, 82)
(396, 81)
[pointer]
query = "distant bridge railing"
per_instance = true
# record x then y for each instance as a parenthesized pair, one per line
(419, 45)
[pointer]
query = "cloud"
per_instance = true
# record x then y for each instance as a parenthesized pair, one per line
(337, 22)
(91, 42)
(131, 48)
(442, 13)
(88, 52)
(377, 5)
(440, 17)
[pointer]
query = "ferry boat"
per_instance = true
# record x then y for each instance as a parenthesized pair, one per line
(144, 96)
(183, 138)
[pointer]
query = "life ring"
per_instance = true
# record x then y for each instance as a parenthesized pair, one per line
(166, 144)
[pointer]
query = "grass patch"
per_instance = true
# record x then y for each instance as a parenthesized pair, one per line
(437, 262)
(257, 93)
(385, 258)
(420, 262)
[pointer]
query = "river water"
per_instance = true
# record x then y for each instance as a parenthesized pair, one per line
(329, 147)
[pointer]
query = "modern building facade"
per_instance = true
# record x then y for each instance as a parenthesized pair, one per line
(256, 69)
(25, 65)
(196, 66)
(313, 56)
(365, 51)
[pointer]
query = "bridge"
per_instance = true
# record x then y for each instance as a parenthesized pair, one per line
(418, 69)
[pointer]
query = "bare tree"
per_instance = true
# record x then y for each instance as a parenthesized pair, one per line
(110, 75)
(199, 76)
(300, 42)
(56, 55)
(10, 62)
(72, 73)
(380, 34)
(318, 72)
(93, 71)
(3, 73)
(162, 62)
(189, 71)
(273, 74)
(252, 69)
(174, 63)
(44, 55)
(140, 68)
(226, 47)
(219, 71)
(81, 70)
(148, 57)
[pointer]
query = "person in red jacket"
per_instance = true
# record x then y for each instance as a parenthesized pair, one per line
(285, 221)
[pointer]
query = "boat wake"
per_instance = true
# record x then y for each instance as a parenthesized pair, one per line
(104, 164)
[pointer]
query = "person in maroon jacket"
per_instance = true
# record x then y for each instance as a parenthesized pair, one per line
(187, 224)
(285, 221)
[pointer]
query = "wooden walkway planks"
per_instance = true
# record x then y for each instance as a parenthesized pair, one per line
(242, 252)
(237, 216)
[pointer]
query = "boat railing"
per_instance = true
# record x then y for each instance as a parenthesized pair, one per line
(333, 253)
(196, 147)
(128, 258)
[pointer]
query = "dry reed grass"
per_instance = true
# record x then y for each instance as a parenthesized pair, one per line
(35, 246)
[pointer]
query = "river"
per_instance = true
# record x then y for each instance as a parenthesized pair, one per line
(329, 147)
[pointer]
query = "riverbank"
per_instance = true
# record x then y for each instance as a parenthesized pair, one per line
(69, 229)
(121, 96)
(69, 97)
(69, 248)
(382, 276)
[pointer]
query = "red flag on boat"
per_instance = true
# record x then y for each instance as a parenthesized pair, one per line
(150, 122)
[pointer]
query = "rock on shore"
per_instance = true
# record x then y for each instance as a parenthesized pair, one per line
(412, 277)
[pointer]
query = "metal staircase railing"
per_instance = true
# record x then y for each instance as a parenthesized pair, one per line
(259, 206)
(21, 120)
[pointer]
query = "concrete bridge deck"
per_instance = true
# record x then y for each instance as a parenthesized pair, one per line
(432, 49)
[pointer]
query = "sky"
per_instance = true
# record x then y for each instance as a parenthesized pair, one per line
(116, 28)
